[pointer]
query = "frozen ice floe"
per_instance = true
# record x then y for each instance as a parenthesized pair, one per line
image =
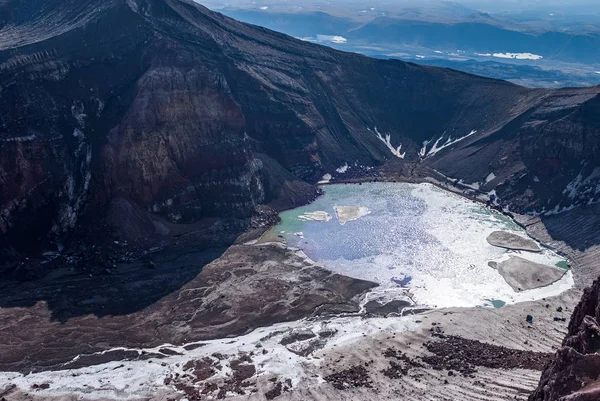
(315, 216)
(345, 214)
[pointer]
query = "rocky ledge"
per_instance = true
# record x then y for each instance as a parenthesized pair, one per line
(522, 274)
(508, 240)
(574, 372)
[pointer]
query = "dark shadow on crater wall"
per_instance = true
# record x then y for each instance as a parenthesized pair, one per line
(578, 228)
(126, 289)
(49, 321)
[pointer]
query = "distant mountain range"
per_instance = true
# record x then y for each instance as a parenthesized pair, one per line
(476, 36)
(560, 57)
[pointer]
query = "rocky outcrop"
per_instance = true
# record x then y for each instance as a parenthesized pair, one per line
(185, 114)
(522, 274)
(508, 240)
(574, 372)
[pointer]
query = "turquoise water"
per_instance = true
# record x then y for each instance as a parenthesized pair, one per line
(417, 239)
(497, 303)
(368, 236)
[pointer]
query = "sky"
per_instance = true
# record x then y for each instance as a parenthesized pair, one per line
(567, 7)
(572, 6)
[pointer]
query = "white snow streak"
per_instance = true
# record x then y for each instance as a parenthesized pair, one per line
(490, 177)
(342, 169)
(388, 142)
(325, 179)
(423, 150)
(134, 380)
(449, 142)
(27, 138)
(474, 185)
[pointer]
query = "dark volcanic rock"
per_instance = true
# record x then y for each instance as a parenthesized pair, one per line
(202, 369)
(356, 376)
(179, 112)
(400, 364)
(274, 392)
(199, 380)
(463, 355)
(297, 336)
(574, 372)
(376, 308)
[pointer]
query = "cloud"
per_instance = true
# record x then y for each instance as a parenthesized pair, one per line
(331, 38)
(518, 56)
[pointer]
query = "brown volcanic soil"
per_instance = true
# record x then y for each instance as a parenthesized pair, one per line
(246, 287)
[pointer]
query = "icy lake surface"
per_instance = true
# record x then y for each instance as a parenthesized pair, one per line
(416, 240)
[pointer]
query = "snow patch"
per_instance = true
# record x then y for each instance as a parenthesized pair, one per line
(490, 177)
(134, 380)
(449, 142)
(573, 186)
(490, 196)
(474, 185)
(581, 186)
(345, 214)
(453, 180)
(315, 216)
(27, 138)
(388, 142)
(325, 179)
(342, 169)
(423, 150)
(558, 210)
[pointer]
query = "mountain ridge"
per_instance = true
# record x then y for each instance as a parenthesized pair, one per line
(188, 114)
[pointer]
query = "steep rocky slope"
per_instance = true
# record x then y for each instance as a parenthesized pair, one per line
(133, 115)
(573, 374)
